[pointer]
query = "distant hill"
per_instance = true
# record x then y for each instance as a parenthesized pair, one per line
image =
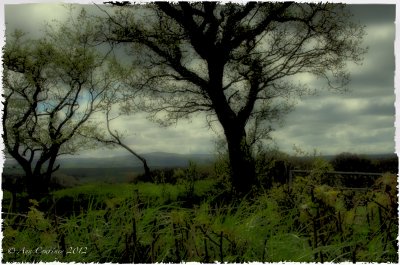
(156, 159)
(125, 168)
(369, 156)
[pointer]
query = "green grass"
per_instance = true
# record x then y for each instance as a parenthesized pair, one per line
(149, 192)
(149, 223)
(97, 189)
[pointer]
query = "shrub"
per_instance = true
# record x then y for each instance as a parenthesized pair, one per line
(273, 167)
(352, 163)
(61, 181)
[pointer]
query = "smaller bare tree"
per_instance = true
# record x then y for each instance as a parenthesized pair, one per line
(113, 137)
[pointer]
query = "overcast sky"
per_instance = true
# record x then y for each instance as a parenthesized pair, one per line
(360, 121)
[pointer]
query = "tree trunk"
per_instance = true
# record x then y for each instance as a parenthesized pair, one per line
(36, 186)
(147, 172)
(242, 164)
(38, 182)
(241, 161)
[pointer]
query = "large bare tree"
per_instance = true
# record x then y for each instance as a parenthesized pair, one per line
(238, 63)
(52, 87)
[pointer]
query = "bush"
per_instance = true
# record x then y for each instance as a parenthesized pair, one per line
(352, 163)
(273, 168)
(390, 164)
(62, 181)
(342, 224)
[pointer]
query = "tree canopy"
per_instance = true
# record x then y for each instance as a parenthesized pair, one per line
(52, 88)
(240, 64)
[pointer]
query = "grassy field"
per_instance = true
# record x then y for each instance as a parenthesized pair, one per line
(196, 221)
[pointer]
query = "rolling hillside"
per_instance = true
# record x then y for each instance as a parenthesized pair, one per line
(158, 159)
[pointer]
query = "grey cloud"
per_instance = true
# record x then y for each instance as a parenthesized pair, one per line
(318, 110)
(375, 77)
(379, 75)
(361, 120)
(31, 18)
(331, 123)
(358, 121)
(378, 114)
(343, 138)
(145, 136)
(373, 13)
(380, 108)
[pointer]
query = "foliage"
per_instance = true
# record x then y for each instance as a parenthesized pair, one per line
(352, 163)
(52, 88)
(272, 166)
(342, 224)
(359, 163)
(61, 181)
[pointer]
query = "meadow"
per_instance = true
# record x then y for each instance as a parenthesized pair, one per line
(195, 219)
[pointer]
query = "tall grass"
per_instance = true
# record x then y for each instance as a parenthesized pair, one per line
(149, 223)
